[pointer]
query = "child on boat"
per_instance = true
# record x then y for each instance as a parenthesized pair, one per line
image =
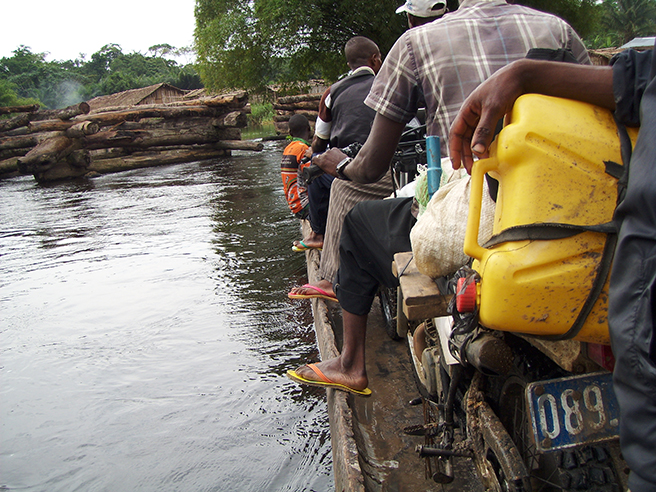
(291, 166)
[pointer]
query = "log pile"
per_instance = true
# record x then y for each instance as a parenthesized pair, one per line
(285, 107)
(72, 142)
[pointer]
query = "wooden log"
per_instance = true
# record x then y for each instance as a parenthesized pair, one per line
(18, 142)
(234, 100)
(152, 159)
(158, 137)
(19, 109)
(61, 114)
(112, 153)
(313, 105)
(284, 115)
(137, 114)
(9, 167)
(82, 129)
(234, 119)
(15, 122)
(9, 153)
(299, 98)
(179, 124)
(46, 154)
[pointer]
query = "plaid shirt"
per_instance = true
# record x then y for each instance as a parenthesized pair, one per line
(439, 64)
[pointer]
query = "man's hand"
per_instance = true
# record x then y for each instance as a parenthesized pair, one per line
(328, 161)
(472, 130)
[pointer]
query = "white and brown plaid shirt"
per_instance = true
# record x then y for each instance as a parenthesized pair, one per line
(439, 64)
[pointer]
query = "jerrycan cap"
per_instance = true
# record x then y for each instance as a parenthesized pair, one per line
(465, 299)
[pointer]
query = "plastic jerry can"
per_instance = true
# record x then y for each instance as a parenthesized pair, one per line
(549, 160)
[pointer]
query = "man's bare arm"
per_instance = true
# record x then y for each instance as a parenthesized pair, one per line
(472, 130)
(375, 156)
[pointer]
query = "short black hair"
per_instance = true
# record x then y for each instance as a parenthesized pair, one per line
(358, 51)
(298, 123)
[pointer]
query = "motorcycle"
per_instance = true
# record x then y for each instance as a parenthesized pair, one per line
(516, 376)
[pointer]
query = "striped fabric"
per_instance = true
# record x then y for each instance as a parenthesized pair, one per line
(442, 62)
(343, 197)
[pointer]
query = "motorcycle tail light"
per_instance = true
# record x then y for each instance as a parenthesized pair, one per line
(466, 299)
(602, 355)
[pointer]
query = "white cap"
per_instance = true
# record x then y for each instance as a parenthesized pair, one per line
(423, 8)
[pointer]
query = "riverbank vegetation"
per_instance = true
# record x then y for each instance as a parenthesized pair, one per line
(27, 77)
(254, 44)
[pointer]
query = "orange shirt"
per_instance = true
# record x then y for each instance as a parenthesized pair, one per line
(290, 168)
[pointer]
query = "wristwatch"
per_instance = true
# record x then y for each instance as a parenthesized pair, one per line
(341, 166)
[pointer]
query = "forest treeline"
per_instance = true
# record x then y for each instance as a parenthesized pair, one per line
(251, 44)
(27, 78)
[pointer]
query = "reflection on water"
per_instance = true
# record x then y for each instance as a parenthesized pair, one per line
(145, 333)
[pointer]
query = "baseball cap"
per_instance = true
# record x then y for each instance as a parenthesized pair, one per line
(423, 8)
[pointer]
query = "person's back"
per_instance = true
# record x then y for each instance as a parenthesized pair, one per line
(444, 61)
(290, 167)
(351, 118)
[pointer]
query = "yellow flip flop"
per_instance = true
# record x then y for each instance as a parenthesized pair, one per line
(325, 382)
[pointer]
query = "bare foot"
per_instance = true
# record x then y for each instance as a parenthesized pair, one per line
(307, 292)
(334, 370)
(313, 241)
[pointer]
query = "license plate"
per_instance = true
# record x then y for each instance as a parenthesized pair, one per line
(571, 411)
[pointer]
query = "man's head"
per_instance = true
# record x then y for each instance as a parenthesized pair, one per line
(421, 12)
(361, 51)
(299, 126)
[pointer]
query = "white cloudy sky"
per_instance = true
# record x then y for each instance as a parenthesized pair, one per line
(66, 28)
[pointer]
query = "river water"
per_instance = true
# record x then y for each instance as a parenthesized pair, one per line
(145, 332)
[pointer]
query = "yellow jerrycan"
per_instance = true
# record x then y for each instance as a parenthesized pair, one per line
(550, 161)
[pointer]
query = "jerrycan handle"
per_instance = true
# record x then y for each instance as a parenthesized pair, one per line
(472, 248)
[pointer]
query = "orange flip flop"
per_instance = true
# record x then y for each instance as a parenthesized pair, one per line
(325, 382)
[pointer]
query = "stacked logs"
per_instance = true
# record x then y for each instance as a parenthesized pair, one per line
(285, 107)
(53, 145)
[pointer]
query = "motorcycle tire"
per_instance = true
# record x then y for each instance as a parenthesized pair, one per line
(596, 467)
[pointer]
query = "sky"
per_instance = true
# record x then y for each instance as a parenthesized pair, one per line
(66, 28)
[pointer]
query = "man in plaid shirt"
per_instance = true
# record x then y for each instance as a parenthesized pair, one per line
(437, 66)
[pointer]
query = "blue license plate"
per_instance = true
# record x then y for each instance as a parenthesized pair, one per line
(572, 411)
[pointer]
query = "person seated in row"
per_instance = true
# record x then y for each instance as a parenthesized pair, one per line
(343, 119)
(481, 37)
(344, 194)
(291, 167)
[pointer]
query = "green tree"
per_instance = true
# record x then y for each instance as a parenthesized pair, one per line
(582, 15)
(249, 44)
(9, 97)
(624, 20)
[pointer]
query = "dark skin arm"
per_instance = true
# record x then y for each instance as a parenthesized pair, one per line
(375, 156)
(472, 130)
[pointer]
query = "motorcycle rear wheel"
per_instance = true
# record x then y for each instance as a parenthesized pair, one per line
(585, 468)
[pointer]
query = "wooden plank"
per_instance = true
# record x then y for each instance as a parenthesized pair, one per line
(421, 297)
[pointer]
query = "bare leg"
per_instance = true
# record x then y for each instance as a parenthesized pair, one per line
(349, 368)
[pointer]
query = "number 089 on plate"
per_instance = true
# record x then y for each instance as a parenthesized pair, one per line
(573, 411)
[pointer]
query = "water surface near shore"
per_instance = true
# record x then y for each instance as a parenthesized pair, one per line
(145, 332)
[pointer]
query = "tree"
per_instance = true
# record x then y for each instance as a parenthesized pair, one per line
(582, 15)
(249, 44)
(628, 19)
(8, 96)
